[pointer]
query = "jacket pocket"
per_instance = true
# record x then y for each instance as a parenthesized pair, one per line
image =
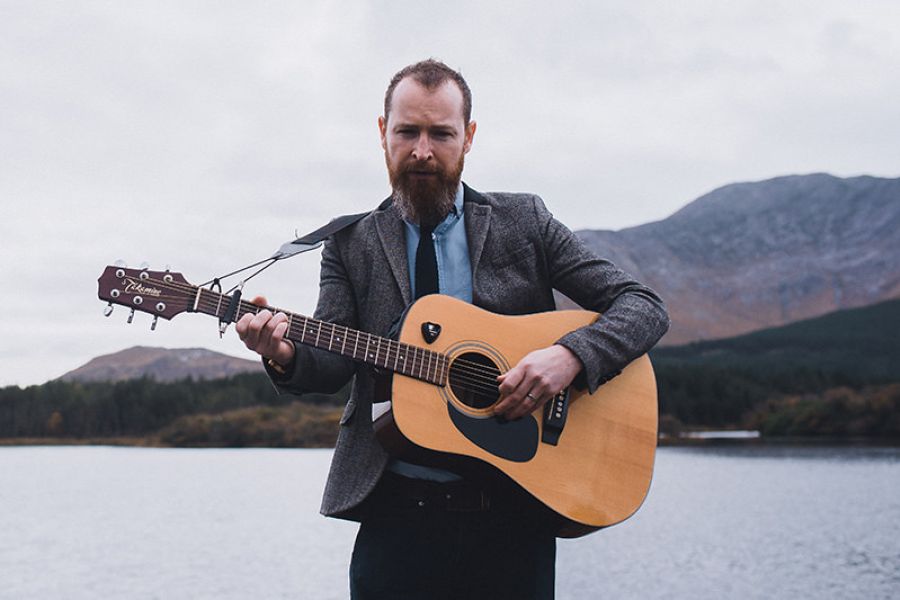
(511, 258)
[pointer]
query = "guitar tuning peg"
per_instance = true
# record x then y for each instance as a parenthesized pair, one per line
(108, 310)
(120, 263)
(145, 265)
(153, 324)
(131, 316)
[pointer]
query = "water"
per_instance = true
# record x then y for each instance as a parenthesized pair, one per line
(736, 522)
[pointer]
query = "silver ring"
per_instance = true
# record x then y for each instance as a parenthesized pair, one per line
(529, 395)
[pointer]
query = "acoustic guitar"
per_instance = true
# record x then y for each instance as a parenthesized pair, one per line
(587, 457)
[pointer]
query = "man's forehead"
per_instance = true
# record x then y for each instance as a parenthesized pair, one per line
(411, 98)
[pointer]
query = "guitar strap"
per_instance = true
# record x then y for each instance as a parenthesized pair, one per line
(311, 239)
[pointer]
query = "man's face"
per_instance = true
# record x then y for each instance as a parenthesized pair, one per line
(425, 140)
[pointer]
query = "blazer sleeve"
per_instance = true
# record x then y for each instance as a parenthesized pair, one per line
(315, 370)
(633, 317)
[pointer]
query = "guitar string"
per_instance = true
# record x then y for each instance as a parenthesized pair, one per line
(479, 376)
(487, 374)
(477, 373)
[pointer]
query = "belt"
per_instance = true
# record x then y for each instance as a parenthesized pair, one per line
(399, 492)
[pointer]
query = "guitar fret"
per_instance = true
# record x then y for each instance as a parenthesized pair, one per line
(420, 361)
(377, 350)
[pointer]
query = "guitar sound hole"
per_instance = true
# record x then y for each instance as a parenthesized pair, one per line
(473, 379)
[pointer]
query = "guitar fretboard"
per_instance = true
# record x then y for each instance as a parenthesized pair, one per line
(374, 350)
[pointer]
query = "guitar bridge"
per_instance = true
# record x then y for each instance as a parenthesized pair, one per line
(555, 413)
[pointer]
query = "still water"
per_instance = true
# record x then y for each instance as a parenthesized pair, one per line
(720, 522)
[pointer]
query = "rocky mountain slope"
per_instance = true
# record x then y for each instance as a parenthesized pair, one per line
(162, 364)
(749, 256)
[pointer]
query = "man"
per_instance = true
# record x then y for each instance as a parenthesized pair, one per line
(427, 531)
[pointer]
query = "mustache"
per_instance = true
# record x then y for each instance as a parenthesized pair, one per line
(420, 167)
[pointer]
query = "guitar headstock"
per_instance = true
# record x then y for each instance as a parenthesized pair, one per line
(160, 293)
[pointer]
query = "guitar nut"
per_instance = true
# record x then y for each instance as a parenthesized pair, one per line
(115, 293)
(120, 273)
(138, 300)
(160, 306)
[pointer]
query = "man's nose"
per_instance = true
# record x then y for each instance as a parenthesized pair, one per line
(422, 149)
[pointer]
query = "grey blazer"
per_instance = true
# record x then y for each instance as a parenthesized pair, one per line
(519, 254)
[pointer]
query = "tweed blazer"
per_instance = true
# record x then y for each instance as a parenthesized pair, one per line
(519, 254)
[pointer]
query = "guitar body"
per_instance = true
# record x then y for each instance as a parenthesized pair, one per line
(597, 474)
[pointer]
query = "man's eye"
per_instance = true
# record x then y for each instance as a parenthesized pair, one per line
(407, 132)
(441, 135)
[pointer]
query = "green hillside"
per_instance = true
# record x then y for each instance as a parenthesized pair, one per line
(724, 383)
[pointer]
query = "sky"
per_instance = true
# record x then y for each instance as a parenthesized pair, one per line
(201, 135)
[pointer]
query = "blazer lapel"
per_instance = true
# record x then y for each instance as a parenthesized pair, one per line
(478, 221)
(389, 226)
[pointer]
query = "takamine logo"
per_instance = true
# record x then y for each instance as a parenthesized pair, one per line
(136, 287)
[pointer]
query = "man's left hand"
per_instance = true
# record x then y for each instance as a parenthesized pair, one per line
(539, 376)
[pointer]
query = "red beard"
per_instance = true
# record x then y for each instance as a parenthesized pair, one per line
(424, 199)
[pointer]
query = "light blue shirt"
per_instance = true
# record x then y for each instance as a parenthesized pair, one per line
(451, 248)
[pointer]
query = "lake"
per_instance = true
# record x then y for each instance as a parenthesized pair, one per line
(737, 521)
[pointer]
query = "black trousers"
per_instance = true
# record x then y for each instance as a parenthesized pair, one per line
(428, 541)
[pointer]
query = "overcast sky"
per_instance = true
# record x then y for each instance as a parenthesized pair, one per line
(202, 135)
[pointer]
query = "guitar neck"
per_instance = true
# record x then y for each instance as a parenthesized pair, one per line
(360, 346)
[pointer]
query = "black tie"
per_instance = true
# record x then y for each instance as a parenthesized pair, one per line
(426, 264)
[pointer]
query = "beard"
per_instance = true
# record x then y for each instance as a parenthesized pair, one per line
(424, 200)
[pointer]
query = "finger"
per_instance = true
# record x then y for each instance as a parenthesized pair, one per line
(528, 405)
(241, 326)
(508, 383)
(255, 329)
(270, 337)
(260, 301)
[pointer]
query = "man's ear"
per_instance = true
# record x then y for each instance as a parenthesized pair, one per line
(470, 135)
(382, 129)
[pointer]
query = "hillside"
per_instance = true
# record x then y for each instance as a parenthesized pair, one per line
(750, 256)
(162, 364)
(861, 343)
(847, 354)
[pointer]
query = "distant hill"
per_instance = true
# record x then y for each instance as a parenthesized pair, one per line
(718, 382)
(862, 343)
(749, 256)
(162, 364)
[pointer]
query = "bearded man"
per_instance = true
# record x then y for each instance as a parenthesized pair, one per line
(428, 531)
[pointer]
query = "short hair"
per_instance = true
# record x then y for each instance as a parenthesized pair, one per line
(430, 74)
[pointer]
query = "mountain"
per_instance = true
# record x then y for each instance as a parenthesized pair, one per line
(749, 256)
(162, 364)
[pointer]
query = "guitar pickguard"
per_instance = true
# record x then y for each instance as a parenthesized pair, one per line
(512, 440)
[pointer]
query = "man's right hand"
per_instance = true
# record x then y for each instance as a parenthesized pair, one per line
(264, 334)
